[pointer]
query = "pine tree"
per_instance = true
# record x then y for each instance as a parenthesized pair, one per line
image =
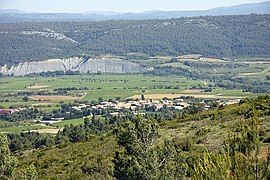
(7, 162)
(142, 158)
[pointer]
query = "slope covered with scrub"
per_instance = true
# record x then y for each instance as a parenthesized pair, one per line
(221, 136)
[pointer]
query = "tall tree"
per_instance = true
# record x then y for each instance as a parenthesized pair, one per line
(141, 158)
(7, 162)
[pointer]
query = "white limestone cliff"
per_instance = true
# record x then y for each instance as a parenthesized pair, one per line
(74, 64)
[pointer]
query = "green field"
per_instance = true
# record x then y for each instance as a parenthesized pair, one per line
(75, 122)
(99, 86)
(18, 129)
(9, 127)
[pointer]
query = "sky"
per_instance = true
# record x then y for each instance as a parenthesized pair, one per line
(74, 6)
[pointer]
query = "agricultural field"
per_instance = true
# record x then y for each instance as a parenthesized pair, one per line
(75, 122)
(38, 127)
(95, 86)
(27, 127)
(252, 68)
(92, 87)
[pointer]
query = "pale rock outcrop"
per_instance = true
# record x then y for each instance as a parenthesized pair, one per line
(73, 64)
(50, 34)
(4, 69)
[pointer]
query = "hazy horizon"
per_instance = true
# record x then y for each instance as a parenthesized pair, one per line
(83, 6)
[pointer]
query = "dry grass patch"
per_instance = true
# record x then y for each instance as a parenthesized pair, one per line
(192, 91)
(201, 95)
(47, 131)
(38, 86)
(41, 104)
(54, 98)
(202, 59)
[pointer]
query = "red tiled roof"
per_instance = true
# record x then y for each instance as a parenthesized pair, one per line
(5, 111)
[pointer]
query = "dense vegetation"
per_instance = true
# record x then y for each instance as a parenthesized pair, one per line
(219, 36)
(228, 142)
(9, 164)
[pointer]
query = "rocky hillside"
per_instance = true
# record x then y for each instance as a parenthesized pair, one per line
(72, 64)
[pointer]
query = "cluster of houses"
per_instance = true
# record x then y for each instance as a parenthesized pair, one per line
(136, 105)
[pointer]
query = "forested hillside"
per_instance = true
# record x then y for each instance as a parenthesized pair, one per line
(219, 36)
(226, 142)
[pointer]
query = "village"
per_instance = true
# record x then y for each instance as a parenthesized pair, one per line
(112, 108)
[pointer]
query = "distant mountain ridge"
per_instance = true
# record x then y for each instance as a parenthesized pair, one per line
(10, 11)
(11, 15)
